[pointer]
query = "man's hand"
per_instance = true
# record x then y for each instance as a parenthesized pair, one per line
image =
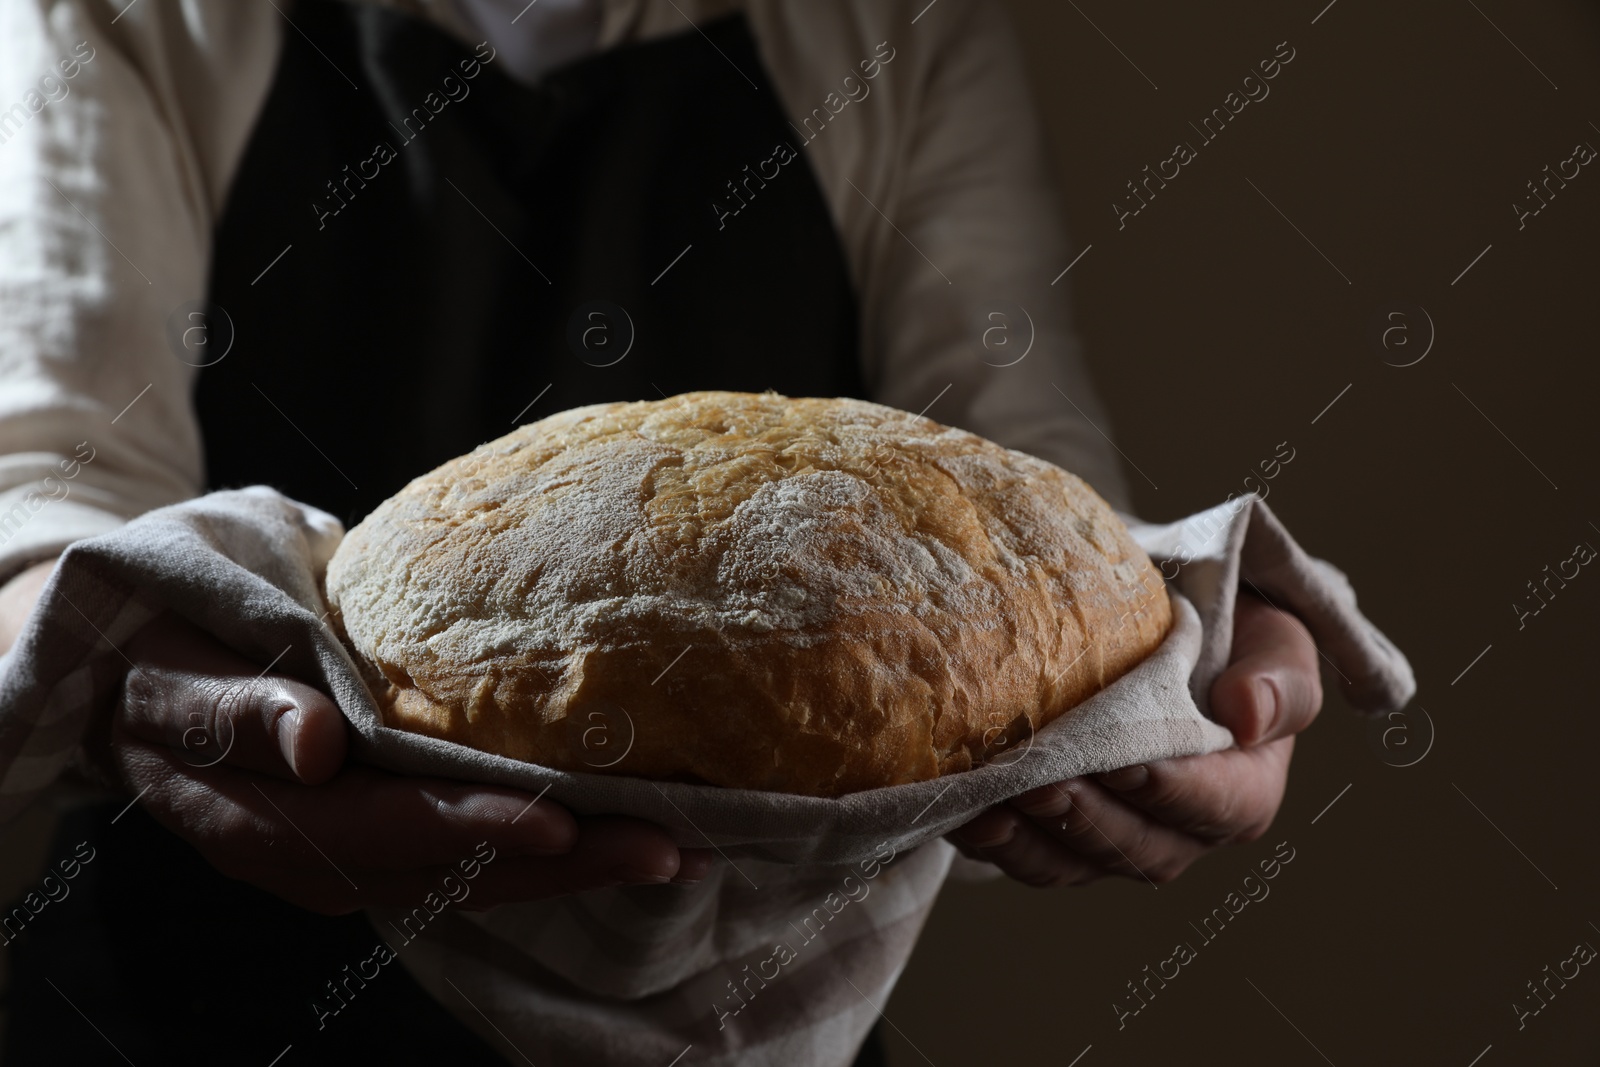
(251, 771)
(1152, 820)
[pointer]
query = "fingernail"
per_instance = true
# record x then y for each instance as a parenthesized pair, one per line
(1126, 778)
(638, 875)
(288, 729)
(693, 867)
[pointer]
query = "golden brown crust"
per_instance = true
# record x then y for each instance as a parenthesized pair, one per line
(807, 596)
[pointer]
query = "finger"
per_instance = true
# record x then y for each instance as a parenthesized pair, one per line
(1025, 851)
(1115, 836)
(1225, 797)
(523, 879)
(362, 818)
(1272, 687)
(607, 855)
(610, 850)
(193, 693)
(275, 725)
(630, 850)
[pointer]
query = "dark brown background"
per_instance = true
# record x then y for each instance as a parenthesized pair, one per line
(1397, 141)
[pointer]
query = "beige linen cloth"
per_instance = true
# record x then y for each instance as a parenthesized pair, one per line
(785, 953)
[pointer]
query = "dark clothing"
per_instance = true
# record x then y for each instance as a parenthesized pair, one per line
(522, 239)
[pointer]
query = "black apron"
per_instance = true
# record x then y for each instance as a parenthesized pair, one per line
(569, 244)
(418, 254)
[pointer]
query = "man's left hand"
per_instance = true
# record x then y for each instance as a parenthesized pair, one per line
(1153, 820)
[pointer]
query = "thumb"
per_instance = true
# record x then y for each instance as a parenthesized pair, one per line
(194, 695)
(278, 726)
(1272, 687)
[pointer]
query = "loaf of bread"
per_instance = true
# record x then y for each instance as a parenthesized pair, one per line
(799, 595)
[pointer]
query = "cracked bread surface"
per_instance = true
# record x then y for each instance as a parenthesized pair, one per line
(812, 596)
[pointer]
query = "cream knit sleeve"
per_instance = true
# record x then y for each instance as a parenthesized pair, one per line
(120, 128)
(926, 142)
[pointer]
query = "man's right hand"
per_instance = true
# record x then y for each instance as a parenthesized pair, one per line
(250, 770)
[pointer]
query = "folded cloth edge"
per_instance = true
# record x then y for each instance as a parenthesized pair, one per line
(270, 552)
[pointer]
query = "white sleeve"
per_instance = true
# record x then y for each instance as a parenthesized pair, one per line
(977, 200)
(120, 128)
(949, 215)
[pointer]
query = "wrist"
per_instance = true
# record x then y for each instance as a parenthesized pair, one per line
(17, 598)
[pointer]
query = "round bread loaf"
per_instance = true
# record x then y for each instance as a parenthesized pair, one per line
(807, 596)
